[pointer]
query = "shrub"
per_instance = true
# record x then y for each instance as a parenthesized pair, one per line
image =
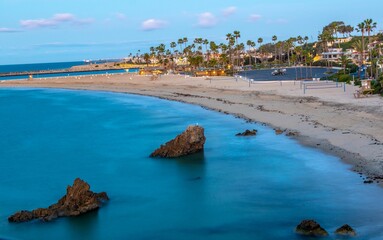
(377, 85)
(344, 78)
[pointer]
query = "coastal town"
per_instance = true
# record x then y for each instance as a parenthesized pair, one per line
(335, 47)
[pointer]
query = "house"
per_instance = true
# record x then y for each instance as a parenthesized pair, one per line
(333, 54)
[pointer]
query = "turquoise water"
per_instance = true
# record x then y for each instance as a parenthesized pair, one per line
(238, 188)
(38, 66)
(70, 74)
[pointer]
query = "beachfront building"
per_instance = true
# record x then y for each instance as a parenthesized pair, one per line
(342, 40)
(181, 61)
(333, 54)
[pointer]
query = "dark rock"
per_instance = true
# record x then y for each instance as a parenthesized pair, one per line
(78, 200)
(346, 230)
(278, 131)
(290, 134)
(368, 181)
(311, 228)
(22, 216)
(192, 140)
(247, 133)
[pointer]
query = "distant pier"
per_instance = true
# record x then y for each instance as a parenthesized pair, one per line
(68, 70)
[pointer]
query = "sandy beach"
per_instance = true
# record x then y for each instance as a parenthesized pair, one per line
(328, 118)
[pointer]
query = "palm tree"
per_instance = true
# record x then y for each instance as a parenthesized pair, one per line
(344, 60)
(274, 38)
(185, 40)
(358, 45)
(279, 46)
(362, 28)
(213, 48)
(253, 46)
(205, 42)
(294, 60)
(240, 47)
(260, 41)
(298, 51)
(289, 45)
(249, 44)
(309, 60)
(306, 39)
(369, 26)
(231, 40)
(199, 41)
(224, 49)
(147, 58)
(237, 34)
(173, 45)
(180, 42)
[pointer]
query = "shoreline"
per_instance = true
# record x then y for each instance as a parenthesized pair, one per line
(328, 119)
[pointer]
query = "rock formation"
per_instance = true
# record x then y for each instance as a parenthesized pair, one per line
(190, 141)
(278, 131)
(346, 230)
(311, 228)
(78, 200)
(292, 134)
(247, 133)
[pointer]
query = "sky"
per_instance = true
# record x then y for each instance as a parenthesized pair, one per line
(39, 31)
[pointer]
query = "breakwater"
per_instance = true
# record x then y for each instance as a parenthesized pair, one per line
(56, 71)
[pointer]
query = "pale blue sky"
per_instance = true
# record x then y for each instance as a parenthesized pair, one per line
(33, 31)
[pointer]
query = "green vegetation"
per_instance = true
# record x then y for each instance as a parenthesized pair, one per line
(232, 55)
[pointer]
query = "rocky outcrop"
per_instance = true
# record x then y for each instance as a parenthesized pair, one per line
(345, 230)
(247, 133)
(192, 140)
(78, 200)
(310, 228)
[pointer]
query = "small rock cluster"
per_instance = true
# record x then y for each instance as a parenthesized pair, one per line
(247, 133)
(312, 228)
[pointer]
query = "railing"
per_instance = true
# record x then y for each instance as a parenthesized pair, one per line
(321, 85)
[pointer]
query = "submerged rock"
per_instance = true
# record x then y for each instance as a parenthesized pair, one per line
(192, 140)
(311, 228)
(247, 133)
(78, 200)
(346, 230)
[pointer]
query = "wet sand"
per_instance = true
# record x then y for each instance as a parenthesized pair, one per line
(327, 118)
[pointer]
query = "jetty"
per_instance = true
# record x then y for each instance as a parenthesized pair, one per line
(84, 68)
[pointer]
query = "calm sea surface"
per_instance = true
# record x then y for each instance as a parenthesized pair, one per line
(38, 66)
(238, 188)
(54, 66)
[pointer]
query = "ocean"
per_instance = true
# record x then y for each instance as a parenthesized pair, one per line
(54, 66)
(38, 66)
(238, 188)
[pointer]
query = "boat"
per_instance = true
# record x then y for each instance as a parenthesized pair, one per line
(279, 71)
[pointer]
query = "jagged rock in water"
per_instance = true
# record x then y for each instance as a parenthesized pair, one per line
(190, 141)
(311, 228)
(78, 200)
(247, 133)
(346, 230)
